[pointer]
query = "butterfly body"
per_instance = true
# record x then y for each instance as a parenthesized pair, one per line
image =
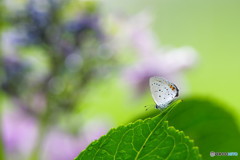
(163, 91)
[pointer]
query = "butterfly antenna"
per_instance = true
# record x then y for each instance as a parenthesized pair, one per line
(147, 107)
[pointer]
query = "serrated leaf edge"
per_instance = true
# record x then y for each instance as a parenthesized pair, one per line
(112, 130)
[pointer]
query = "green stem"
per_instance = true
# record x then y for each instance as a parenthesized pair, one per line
(2, 149)
(35, 155)
(2, 153)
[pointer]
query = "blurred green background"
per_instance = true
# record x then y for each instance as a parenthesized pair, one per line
(212, 28)
(89, 95)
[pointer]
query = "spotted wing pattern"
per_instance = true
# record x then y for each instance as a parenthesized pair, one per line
(163, 91)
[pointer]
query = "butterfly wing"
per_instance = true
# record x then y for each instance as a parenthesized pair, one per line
(163, 92)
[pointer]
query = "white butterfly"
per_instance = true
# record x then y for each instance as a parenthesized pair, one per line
(163, 91)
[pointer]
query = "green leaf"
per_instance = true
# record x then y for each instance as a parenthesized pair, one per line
(147, 140)
(212, 127)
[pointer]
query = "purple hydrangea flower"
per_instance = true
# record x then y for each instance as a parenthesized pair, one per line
(152, 59)
(60, 145)
(20, 132)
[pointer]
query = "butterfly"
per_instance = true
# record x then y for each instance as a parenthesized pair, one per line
(163, 91)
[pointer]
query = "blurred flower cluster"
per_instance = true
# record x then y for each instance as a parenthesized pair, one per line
(51, 50)
(47, 60)
(151, 58)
